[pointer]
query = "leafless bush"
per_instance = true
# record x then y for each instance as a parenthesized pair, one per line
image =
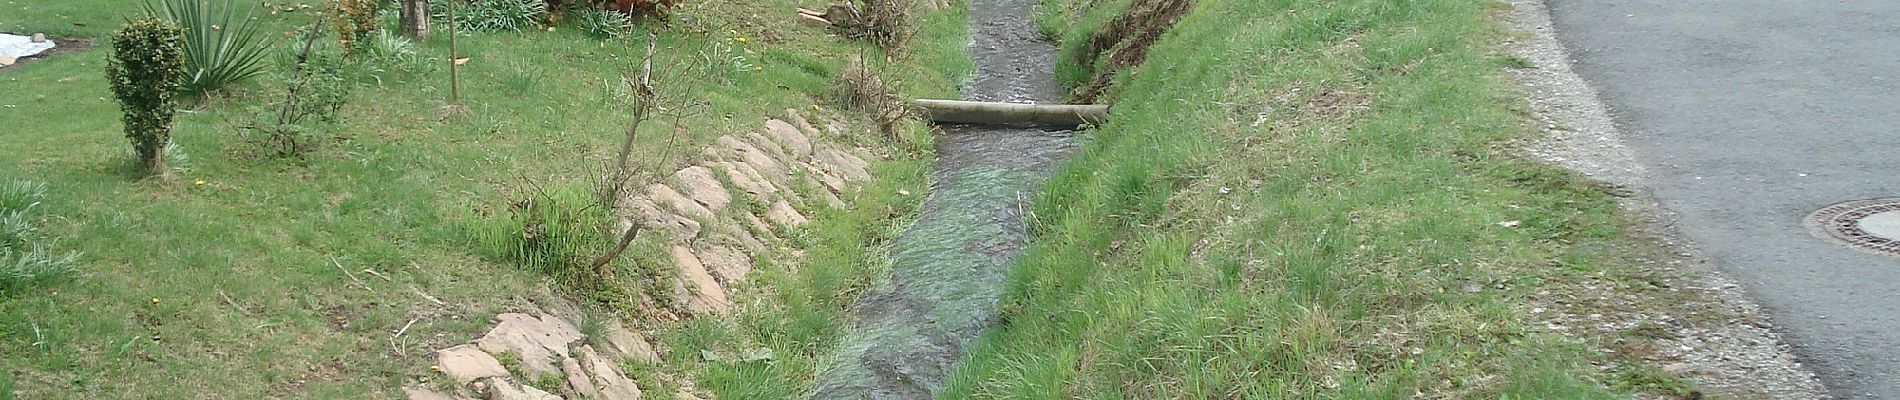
(862, 89)
(889, 24)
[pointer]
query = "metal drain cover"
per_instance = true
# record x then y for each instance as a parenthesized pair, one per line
(1870, 225)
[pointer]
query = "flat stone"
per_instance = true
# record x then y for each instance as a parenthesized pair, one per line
(770, 146)
(8, 60)
(627, 344)
(782, 213)
(731, 230)
(837, 128)
(704, 187)
(665, 195)
(771, 169)
(804, 125)
(613, 385)
(680, 226)
(824, 192)
(467, 363)
(577, 380)
(705, 295)
(830, 181)
(426, 394)
(844, 164)
(39, 38)
(539, 342)
(790, 137)
(728, 264)
(747, 179)
(503, 389)
(759, 226)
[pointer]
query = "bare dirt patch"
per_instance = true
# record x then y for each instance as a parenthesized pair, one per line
(1681, 314)
(1124, 42)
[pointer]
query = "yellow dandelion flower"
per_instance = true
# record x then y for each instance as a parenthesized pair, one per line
(740, 39)
(199, 183)
(154, 300)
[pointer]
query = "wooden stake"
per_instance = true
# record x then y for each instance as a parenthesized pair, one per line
(455, 82)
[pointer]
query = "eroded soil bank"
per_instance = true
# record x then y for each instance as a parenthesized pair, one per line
(948, 269)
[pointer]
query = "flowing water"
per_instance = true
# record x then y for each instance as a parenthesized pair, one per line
(948, 268)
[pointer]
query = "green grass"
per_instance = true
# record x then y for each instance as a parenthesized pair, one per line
(1292, 199)
(236, 287)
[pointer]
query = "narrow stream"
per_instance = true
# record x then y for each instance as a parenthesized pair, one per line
(948, 267)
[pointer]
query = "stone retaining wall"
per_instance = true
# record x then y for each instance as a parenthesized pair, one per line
(719, 214)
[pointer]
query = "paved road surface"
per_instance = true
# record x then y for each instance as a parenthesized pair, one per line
(1750, 114)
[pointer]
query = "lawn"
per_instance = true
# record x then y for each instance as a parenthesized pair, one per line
(1313, 199)
(251, 276)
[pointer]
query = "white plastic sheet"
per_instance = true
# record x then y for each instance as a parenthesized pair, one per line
(14, 47)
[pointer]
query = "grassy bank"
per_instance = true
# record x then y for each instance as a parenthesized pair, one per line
(255, 277)
(1306, 199)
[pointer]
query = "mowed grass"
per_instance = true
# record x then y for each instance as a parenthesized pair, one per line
(1301, 199)
(252, 277)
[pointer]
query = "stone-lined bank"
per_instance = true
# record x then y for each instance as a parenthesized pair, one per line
(718, 216)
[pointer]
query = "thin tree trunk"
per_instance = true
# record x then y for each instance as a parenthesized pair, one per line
(415, 18)
(643, 96)
(155, 165)
(455, 81)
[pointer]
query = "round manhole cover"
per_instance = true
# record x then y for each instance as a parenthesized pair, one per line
(1871, 225)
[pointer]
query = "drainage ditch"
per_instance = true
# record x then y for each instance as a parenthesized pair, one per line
(948, 268)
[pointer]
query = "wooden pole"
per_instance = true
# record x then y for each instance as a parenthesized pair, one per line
(455, 81)
(973, 112)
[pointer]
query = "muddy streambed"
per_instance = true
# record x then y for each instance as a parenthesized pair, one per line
(948, 268)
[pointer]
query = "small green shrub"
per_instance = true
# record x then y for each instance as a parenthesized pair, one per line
(354, 21)
(25, 257)
(493, 15)
(221, 46)
(146, 69)
(601, 24)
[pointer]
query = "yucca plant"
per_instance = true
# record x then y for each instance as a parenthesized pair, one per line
(222, 46)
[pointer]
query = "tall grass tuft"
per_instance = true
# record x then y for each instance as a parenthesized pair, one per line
(495, 15)
(601, 24)
(555, 231)
(25, 257)
(221, 46)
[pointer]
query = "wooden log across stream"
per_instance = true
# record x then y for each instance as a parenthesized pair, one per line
(976, 112)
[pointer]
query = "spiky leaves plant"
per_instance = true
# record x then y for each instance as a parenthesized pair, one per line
(146, 69)
(222, 45)
(25, 257)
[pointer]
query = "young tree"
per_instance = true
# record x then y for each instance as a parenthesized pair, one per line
(146, 68)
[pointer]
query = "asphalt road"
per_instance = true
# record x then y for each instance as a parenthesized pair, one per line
(1750, 114)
